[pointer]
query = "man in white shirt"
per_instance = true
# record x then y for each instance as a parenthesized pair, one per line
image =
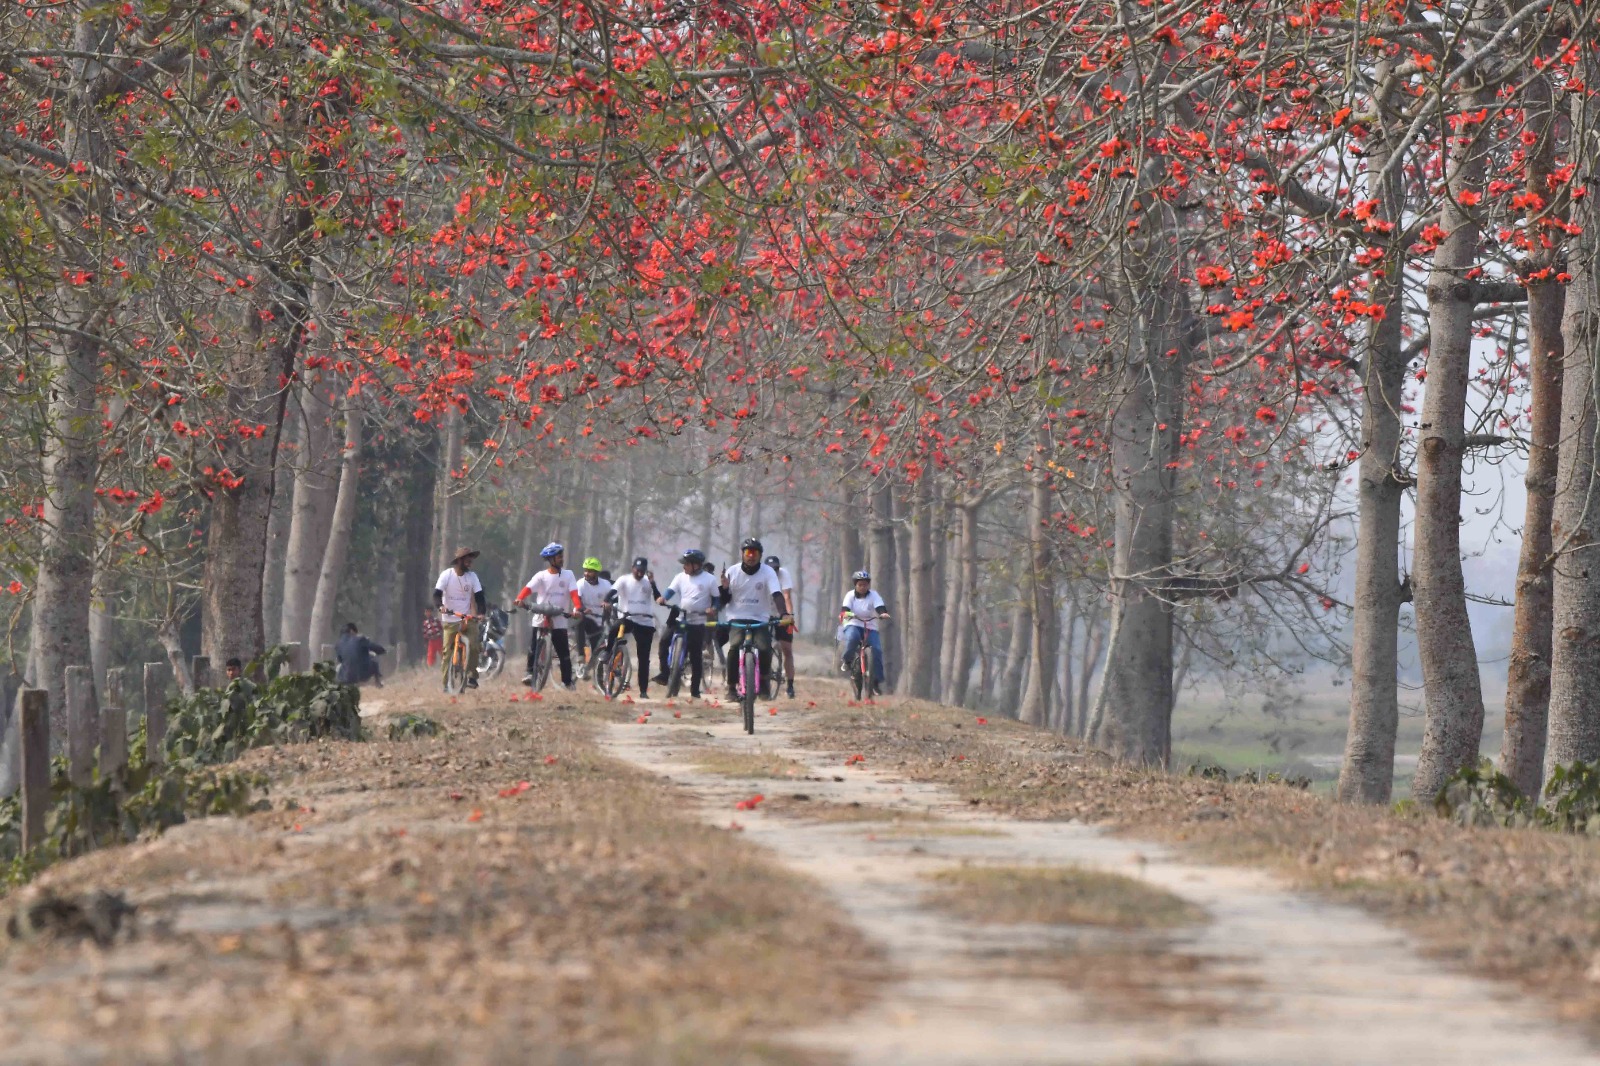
(635, 594)
(694, 594)
(553, 587)
(752, 595)
(458, 596)
(592, 592)
(785, 633)
(862, 611)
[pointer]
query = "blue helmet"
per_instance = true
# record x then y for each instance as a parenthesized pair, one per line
(552, 550)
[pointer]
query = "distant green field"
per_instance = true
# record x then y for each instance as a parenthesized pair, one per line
(1296, 731)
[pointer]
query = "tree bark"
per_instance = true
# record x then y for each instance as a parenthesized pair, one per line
(64, 585)
(315, 493)
(1574, 727)
(1016, 667)
(921, 671)
(1453, 694)
(1044, 634)
(1528, 675)
(280, 525)
(1134, 708)
(337, 554)
(1367, 773)
(884, 567)
(416, 564)
(966, 614)
(1064, 711)
(950, 638)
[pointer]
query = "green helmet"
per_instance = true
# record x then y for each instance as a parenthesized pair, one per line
(592, 563)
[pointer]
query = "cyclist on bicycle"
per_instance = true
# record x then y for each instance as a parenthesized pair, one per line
(455, 596)
(592, 592)
(696, 594)
(862, 611)
(635, 595)
(785, 633)
(553, 587)
(752, 595)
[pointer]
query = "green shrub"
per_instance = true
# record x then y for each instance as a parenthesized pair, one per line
(1480, 795)
(412, 726)
(218, 725)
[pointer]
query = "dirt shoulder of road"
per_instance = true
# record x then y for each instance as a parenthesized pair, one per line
(501, 892)
(1519, 905)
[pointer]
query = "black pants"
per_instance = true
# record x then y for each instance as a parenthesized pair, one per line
(643, 636)
(589, 633)
(763, 639)
(696, 635)
(558, 641)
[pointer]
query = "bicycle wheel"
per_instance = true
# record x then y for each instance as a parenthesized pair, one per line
(493, 660)
(619, 672)
(750, 683)
(860, 670)
(541, 663)
(455, 678)
(677, 653)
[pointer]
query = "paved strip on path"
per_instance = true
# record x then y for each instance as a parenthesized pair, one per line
(1275, 977)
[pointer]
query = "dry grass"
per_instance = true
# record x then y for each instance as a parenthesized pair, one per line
(757, 764)
(803, 806)
(397, 908)
(1054, 895)
(1519, 905)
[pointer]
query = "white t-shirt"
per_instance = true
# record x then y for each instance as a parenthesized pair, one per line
(594, 596)
(750, 595)
(636, 600)
(863, 609)
(553, 590)
(459, 591)
(785, 582)
(693, 594)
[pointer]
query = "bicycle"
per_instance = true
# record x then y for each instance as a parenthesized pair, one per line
(542, 653)
(863, 678)
(455, 675)
(778, 676)
(749, 685)
(677, 656)
(612, 671)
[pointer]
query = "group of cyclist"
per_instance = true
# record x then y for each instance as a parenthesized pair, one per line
(751, 601)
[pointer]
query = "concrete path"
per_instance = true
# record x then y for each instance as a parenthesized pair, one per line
(1274, 978)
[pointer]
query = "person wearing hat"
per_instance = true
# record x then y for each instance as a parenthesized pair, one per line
(635, 594)
(458, 595)
(593, 589)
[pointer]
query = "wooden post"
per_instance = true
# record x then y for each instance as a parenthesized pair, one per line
(155, 711)
(297, 657)
(114, 696)
(399, 658)
(113, 743)
(200, 670)
(83, 725)
(33, 736)
(327, 653)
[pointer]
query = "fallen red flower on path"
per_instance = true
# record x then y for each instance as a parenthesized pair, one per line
(475, 816)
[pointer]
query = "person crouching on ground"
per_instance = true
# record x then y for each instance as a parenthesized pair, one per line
(358, 658)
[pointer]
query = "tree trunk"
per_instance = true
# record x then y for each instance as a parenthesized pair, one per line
(1133, 711)
(1066, 688)
(280, 525)
(337, 554)
(311, 513)
(1094, 645)
(921, 671)
(1574, 728)
(966, 620)
(1453, 694)
(884, 567)
(447, 490)
(1015, 673)
(65, 581)
(950, 638)
(102, 626)
(1528, 675)
(1044, 634)
(1367, 774)
(416, 564)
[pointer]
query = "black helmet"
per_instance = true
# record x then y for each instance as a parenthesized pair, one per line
(750, 543)
(641, 563)
(772, 561)
(692, 555)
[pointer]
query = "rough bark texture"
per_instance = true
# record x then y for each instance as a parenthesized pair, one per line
(950, 636)
(921, 675)
(1367, 775)
(1528, 674)
(64, 585)
(337, 552)
(1009, 698)
(280, 525)
(966, 615)
(1453, 693)
(419, 571)
(1133, 718)
(884, 566)
(315, 492)
(1574, 728)
(1044, 634)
